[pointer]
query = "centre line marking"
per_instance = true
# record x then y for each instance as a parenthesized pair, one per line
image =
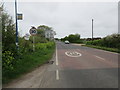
(57, 75)
(56, 56)
(99, 57)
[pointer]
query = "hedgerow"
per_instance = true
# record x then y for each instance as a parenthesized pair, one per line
(111, 41)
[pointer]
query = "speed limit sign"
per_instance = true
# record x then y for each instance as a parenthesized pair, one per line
(33, 31)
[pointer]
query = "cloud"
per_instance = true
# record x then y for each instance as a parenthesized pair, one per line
(69, 17)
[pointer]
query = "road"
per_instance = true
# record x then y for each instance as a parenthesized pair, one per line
(74, 67)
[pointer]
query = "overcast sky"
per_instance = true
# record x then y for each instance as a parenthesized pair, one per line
(68, 17)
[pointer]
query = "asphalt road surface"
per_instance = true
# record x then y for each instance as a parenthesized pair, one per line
(74, 67)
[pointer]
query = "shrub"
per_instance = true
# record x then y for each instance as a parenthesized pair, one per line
(111, 41)
(8, 60)
(25, 45)
(43, 46)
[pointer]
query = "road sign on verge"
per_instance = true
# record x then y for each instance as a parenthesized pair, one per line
(27, 36)
(19, 16)
(33, 31)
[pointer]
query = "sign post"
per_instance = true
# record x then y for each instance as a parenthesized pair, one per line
(33, 43)
(33, 32)
(16, 24)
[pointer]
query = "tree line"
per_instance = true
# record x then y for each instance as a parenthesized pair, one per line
(72, 38)
(110, 41)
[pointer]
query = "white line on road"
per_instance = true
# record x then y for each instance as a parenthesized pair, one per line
(99, 57)
(56, 56)
(57, 75)
(102, 59)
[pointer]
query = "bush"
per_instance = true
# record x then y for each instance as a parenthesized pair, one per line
(28, 62)
(25, 45)
(43, 46)
(8, 61)
(111, 41)
(104, 48)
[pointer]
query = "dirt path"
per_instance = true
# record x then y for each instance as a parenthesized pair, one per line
(29, 79)
(32, 79)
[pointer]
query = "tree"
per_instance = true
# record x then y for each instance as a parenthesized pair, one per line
(74, 38)
(1, 9)
(9, 52)
(41, 30)
(44, 27)
(8, 32)
(41, 33)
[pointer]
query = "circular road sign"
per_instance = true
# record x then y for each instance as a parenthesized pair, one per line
(33, 31)
(27, 36)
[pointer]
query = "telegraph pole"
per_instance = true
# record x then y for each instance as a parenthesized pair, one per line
(92, 29)
(16, 24)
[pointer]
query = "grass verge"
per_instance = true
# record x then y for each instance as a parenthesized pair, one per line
(28, 62)
(104, 48)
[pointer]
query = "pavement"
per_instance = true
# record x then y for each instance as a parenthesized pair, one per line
(74, 67)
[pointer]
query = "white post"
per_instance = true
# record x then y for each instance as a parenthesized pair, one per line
(33, 43)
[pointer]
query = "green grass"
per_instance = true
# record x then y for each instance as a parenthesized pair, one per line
(28, 62)
(104, 48)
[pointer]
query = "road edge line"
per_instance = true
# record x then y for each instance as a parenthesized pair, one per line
(56, 56)
(57, 74)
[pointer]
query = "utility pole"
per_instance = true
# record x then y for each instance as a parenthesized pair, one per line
(16, 24)
(92, 29)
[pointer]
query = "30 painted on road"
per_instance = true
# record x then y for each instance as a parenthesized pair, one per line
(73, 54)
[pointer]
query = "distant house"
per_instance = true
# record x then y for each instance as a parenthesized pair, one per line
(50, 34)
(97, 38)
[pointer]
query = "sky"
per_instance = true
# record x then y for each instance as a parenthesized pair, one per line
(68, 17)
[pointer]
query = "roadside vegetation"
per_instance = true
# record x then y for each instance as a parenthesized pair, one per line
(104, 48)
(27, 61)
(73, 38)
(109, 43)
(16, 62)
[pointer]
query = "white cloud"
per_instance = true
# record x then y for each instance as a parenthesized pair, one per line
(69, 17)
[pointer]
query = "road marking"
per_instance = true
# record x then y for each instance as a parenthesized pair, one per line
(99, 57)
(111, 64)
(56, 56)
(73, 54)
(57, 75)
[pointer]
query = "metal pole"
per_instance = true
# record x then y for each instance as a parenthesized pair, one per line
(16, 24)
(33, 43)
(92, 29)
